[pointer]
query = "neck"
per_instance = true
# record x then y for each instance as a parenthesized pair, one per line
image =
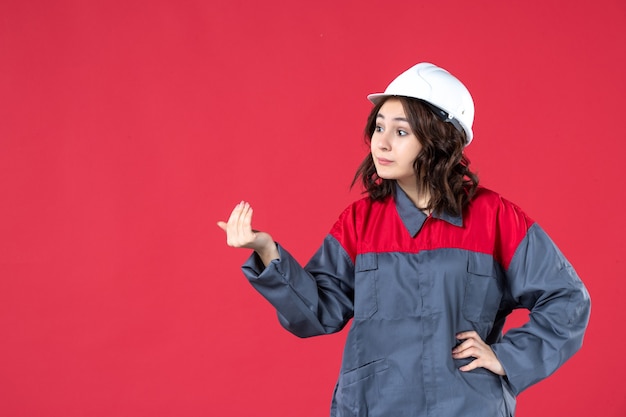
(419, 199)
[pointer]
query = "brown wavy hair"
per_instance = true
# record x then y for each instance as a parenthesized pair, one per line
(441, 167)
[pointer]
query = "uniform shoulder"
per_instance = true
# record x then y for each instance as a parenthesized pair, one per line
(486, 198)
(344, 231)
(352, 220)
(504, 222)
(488, 204)
(362, 206)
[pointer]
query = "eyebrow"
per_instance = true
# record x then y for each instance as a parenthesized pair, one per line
(398, 119)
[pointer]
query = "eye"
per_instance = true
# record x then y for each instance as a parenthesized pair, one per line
(378, 128)
(402, 132)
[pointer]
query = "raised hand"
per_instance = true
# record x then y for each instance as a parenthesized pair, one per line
(239, 234)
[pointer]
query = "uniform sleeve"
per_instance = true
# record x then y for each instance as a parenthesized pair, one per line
(310, 301)
(541, 280)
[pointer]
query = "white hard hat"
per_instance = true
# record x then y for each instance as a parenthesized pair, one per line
(434, 85)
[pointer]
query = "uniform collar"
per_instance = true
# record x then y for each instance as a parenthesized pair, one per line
(413, 218)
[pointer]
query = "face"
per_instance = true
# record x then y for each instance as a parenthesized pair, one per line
(394, 146)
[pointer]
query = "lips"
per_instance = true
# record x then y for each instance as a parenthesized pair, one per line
(383, 161)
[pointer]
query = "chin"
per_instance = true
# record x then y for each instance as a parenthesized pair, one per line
(385, 175)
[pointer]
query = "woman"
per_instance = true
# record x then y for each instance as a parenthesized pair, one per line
(428, 266)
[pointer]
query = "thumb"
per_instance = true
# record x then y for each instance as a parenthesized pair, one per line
(222, 225)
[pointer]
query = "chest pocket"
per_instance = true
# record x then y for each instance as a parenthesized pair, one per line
(483, 291)
(365, 292)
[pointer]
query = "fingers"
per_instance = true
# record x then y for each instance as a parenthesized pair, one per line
(239, 234)
(469, 347)
(245, 220)
(236, 233)
(474, 347)
(239, 226)
(233, 220)
(467, 335)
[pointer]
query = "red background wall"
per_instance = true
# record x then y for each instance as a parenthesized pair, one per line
(128, 128)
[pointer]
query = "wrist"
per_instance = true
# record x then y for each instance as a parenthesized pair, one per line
(268, 252)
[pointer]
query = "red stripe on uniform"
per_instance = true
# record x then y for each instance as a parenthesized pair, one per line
(491, 225)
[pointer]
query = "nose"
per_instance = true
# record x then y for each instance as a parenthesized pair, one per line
(381, 141)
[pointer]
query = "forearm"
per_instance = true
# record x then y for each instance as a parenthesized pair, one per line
(268, 253)
(312, 301)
